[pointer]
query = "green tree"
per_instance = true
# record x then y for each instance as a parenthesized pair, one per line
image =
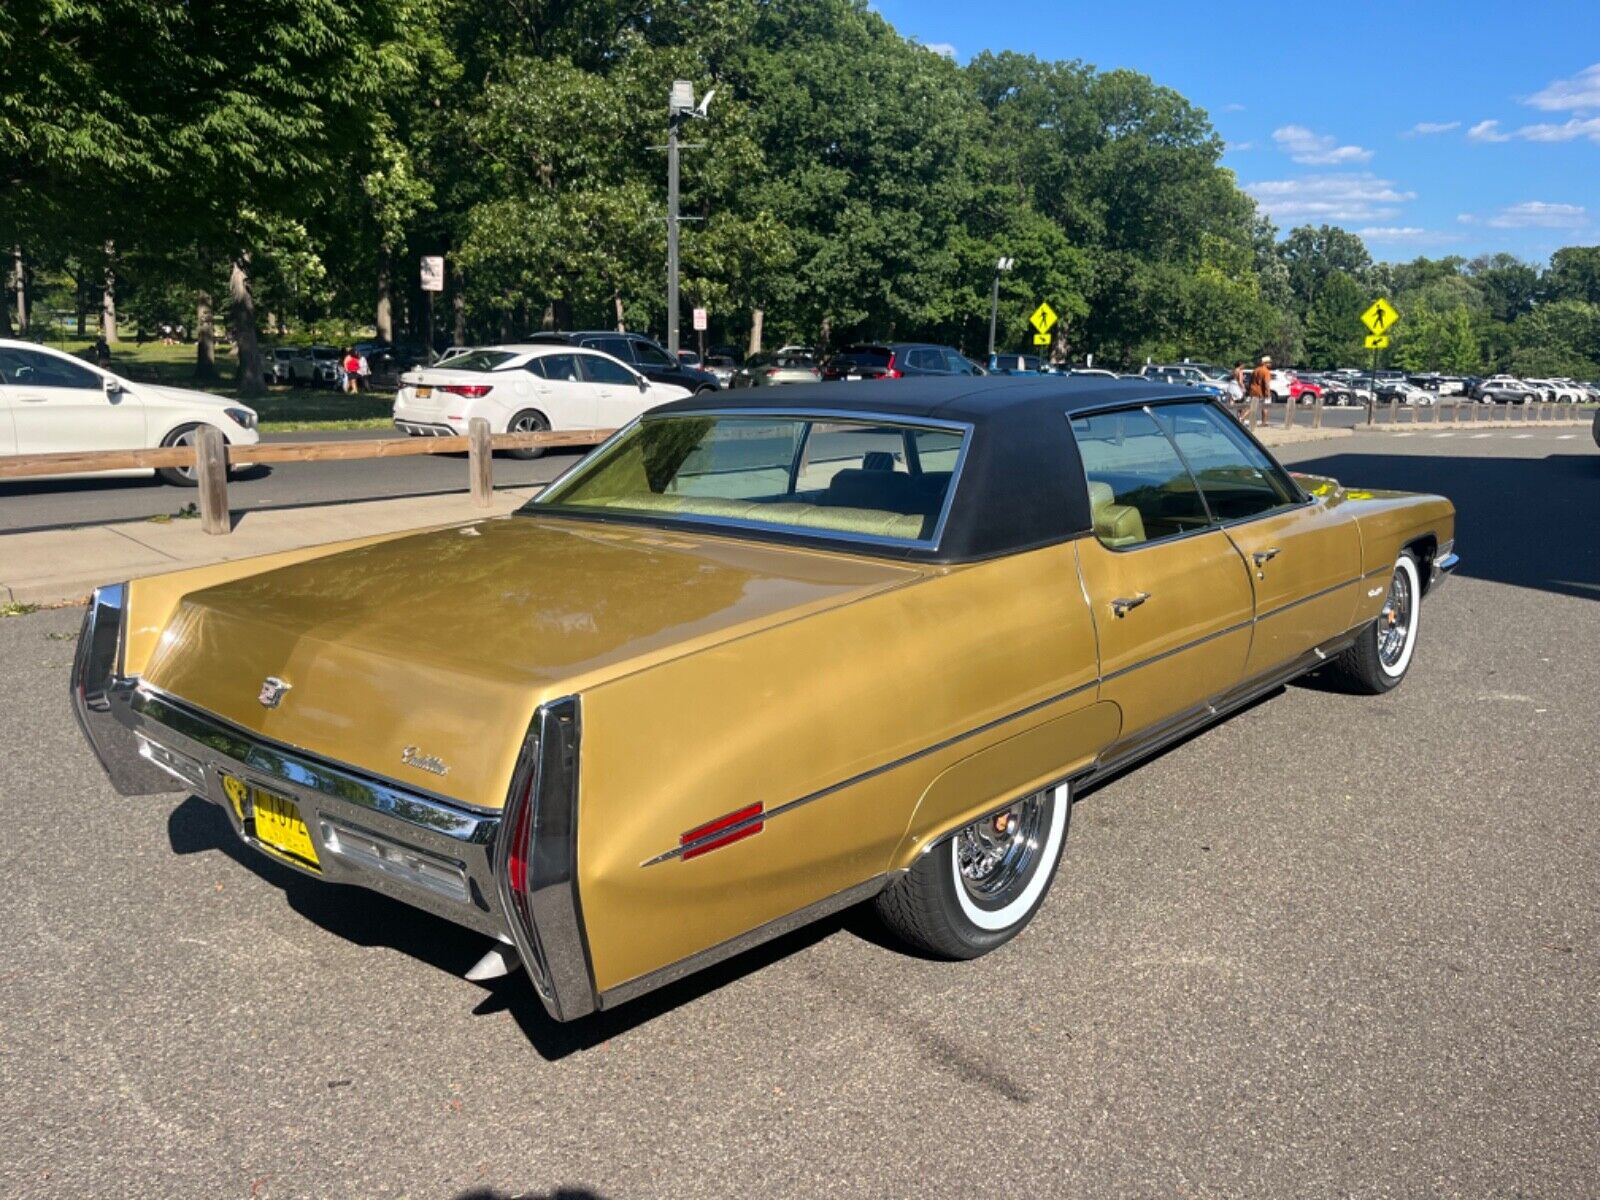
(1333, 330)
(1310, 255)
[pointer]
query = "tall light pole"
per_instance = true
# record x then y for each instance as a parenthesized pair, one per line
(1000, 268)
(680, 108)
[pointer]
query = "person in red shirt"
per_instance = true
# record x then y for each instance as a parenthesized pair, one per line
(352, 372)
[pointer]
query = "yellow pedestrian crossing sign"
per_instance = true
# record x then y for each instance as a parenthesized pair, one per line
(1377, 341)
(1380, 316)
(1043, 318)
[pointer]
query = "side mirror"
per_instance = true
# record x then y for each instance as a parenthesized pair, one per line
(644, 384)
(112, 385)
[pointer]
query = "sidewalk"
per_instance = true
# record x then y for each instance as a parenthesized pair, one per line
(59, 566)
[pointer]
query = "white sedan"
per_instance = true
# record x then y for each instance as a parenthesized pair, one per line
(54, 403)
(523, 389)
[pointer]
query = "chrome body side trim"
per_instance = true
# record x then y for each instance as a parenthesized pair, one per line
(726, 831)
(748, 940)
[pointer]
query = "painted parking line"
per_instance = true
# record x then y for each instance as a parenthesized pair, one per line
(1519, 436)
(1444, 435)
(1476, 436)
(1565, 437)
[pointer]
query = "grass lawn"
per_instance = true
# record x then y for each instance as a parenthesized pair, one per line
(282, 409)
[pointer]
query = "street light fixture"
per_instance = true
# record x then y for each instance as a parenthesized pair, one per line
(681, 107)
(1000, 268)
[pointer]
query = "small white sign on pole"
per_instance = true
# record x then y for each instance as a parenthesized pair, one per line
(433, 273)
(700, 319)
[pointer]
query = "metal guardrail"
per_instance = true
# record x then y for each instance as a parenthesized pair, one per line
(212, 458)
(1455, 411)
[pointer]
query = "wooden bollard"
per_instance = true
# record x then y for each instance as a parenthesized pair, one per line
(480, 461)
(211, 467)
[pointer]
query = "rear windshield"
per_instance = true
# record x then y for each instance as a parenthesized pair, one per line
(865, 356)
(856, 479)
(481, 360)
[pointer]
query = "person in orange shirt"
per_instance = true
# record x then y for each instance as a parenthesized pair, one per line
(1260, 391)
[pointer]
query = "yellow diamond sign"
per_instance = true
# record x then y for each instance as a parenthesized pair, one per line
(1377, 341)
(1380, 316)
(1043, 318)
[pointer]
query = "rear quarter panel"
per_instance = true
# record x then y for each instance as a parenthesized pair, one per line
(869, 703)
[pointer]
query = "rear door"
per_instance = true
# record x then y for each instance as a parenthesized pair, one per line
(1304, 558)
(59, 405)
(1170, 594)
(566, 397)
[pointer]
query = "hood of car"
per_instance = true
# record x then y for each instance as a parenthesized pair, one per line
(437, 647)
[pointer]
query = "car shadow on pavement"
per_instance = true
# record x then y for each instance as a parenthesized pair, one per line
(369, 919)
(1524, 521)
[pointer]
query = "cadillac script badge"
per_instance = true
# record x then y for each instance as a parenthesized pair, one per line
(413, 757)
(272, 690)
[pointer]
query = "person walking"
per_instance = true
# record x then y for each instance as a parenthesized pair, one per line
(363, 372)
(1260, 391)
(352, 372)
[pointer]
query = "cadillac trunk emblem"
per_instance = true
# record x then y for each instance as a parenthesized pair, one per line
(272, 690)
(413, 757)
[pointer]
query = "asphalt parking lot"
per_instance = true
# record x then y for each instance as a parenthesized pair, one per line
(1335, 946)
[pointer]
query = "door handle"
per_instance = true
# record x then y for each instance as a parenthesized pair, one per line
(1265, 556)
(1123, 605)
(33, 399)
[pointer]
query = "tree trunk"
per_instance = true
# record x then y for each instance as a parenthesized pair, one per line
(22, 289)
(205, 344)
(458, 312)
(384, 319)
(757, 315)
(825, 333)
(80, 297)
(242, 319)
(108, 302)
(616, 302)
(549, 321)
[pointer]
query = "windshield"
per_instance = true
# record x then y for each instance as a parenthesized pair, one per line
(827, 477)
(481, 360)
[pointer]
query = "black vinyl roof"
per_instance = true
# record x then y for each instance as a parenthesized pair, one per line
(1022, 484)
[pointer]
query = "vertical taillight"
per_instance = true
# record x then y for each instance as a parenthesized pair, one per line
(890, 372)
(537, 863)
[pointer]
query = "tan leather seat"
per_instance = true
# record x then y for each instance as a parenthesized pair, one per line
(1116, 525)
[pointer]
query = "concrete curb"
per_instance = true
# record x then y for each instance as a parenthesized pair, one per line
(1276, 435)
(62, 566)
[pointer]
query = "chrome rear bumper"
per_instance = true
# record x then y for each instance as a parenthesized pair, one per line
(423, 850)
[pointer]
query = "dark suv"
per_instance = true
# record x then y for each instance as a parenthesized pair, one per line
(642, 353)
(898, 360)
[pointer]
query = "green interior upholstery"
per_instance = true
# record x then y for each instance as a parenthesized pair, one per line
(1116, 525)
(872, 522)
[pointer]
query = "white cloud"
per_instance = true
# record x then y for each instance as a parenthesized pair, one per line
(1539, 214)
(944, 48)
(1577, 127)
(1424, 128)
(1389, 233)
(1316, 149)
(1487, 131)
(1579, 92)
(1239, 147)
(1232, 108)
(1356, 196)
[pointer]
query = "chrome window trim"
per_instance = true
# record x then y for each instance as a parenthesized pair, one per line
(739, 524)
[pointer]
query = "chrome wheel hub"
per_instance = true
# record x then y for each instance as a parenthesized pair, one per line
(995, 857)
(1394, 622)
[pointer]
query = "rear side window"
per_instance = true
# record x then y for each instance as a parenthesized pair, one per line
(1238, 480)
(1139, 489)
(479, 360)
(615, 346)
(563, 368)
(925, 360)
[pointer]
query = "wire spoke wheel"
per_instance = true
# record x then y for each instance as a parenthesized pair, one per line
(996, 857)
(1394, 622)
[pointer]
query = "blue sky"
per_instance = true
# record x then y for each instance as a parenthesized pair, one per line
(1430, 128)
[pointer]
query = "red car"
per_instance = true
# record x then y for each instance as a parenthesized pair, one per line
(1300, 391)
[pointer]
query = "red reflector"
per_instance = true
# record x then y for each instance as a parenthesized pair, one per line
(470, 390)
(712, 828)
(517, 852)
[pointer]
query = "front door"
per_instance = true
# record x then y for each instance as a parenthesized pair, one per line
(1304, 558)
(1171, 598)
(59, 405)
(617, 398)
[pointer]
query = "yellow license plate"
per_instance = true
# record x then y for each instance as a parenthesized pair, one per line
(279, 826)
(424, 392)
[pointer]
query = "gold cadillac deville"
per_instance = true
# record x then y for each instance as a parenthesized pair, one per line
(753, 661)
